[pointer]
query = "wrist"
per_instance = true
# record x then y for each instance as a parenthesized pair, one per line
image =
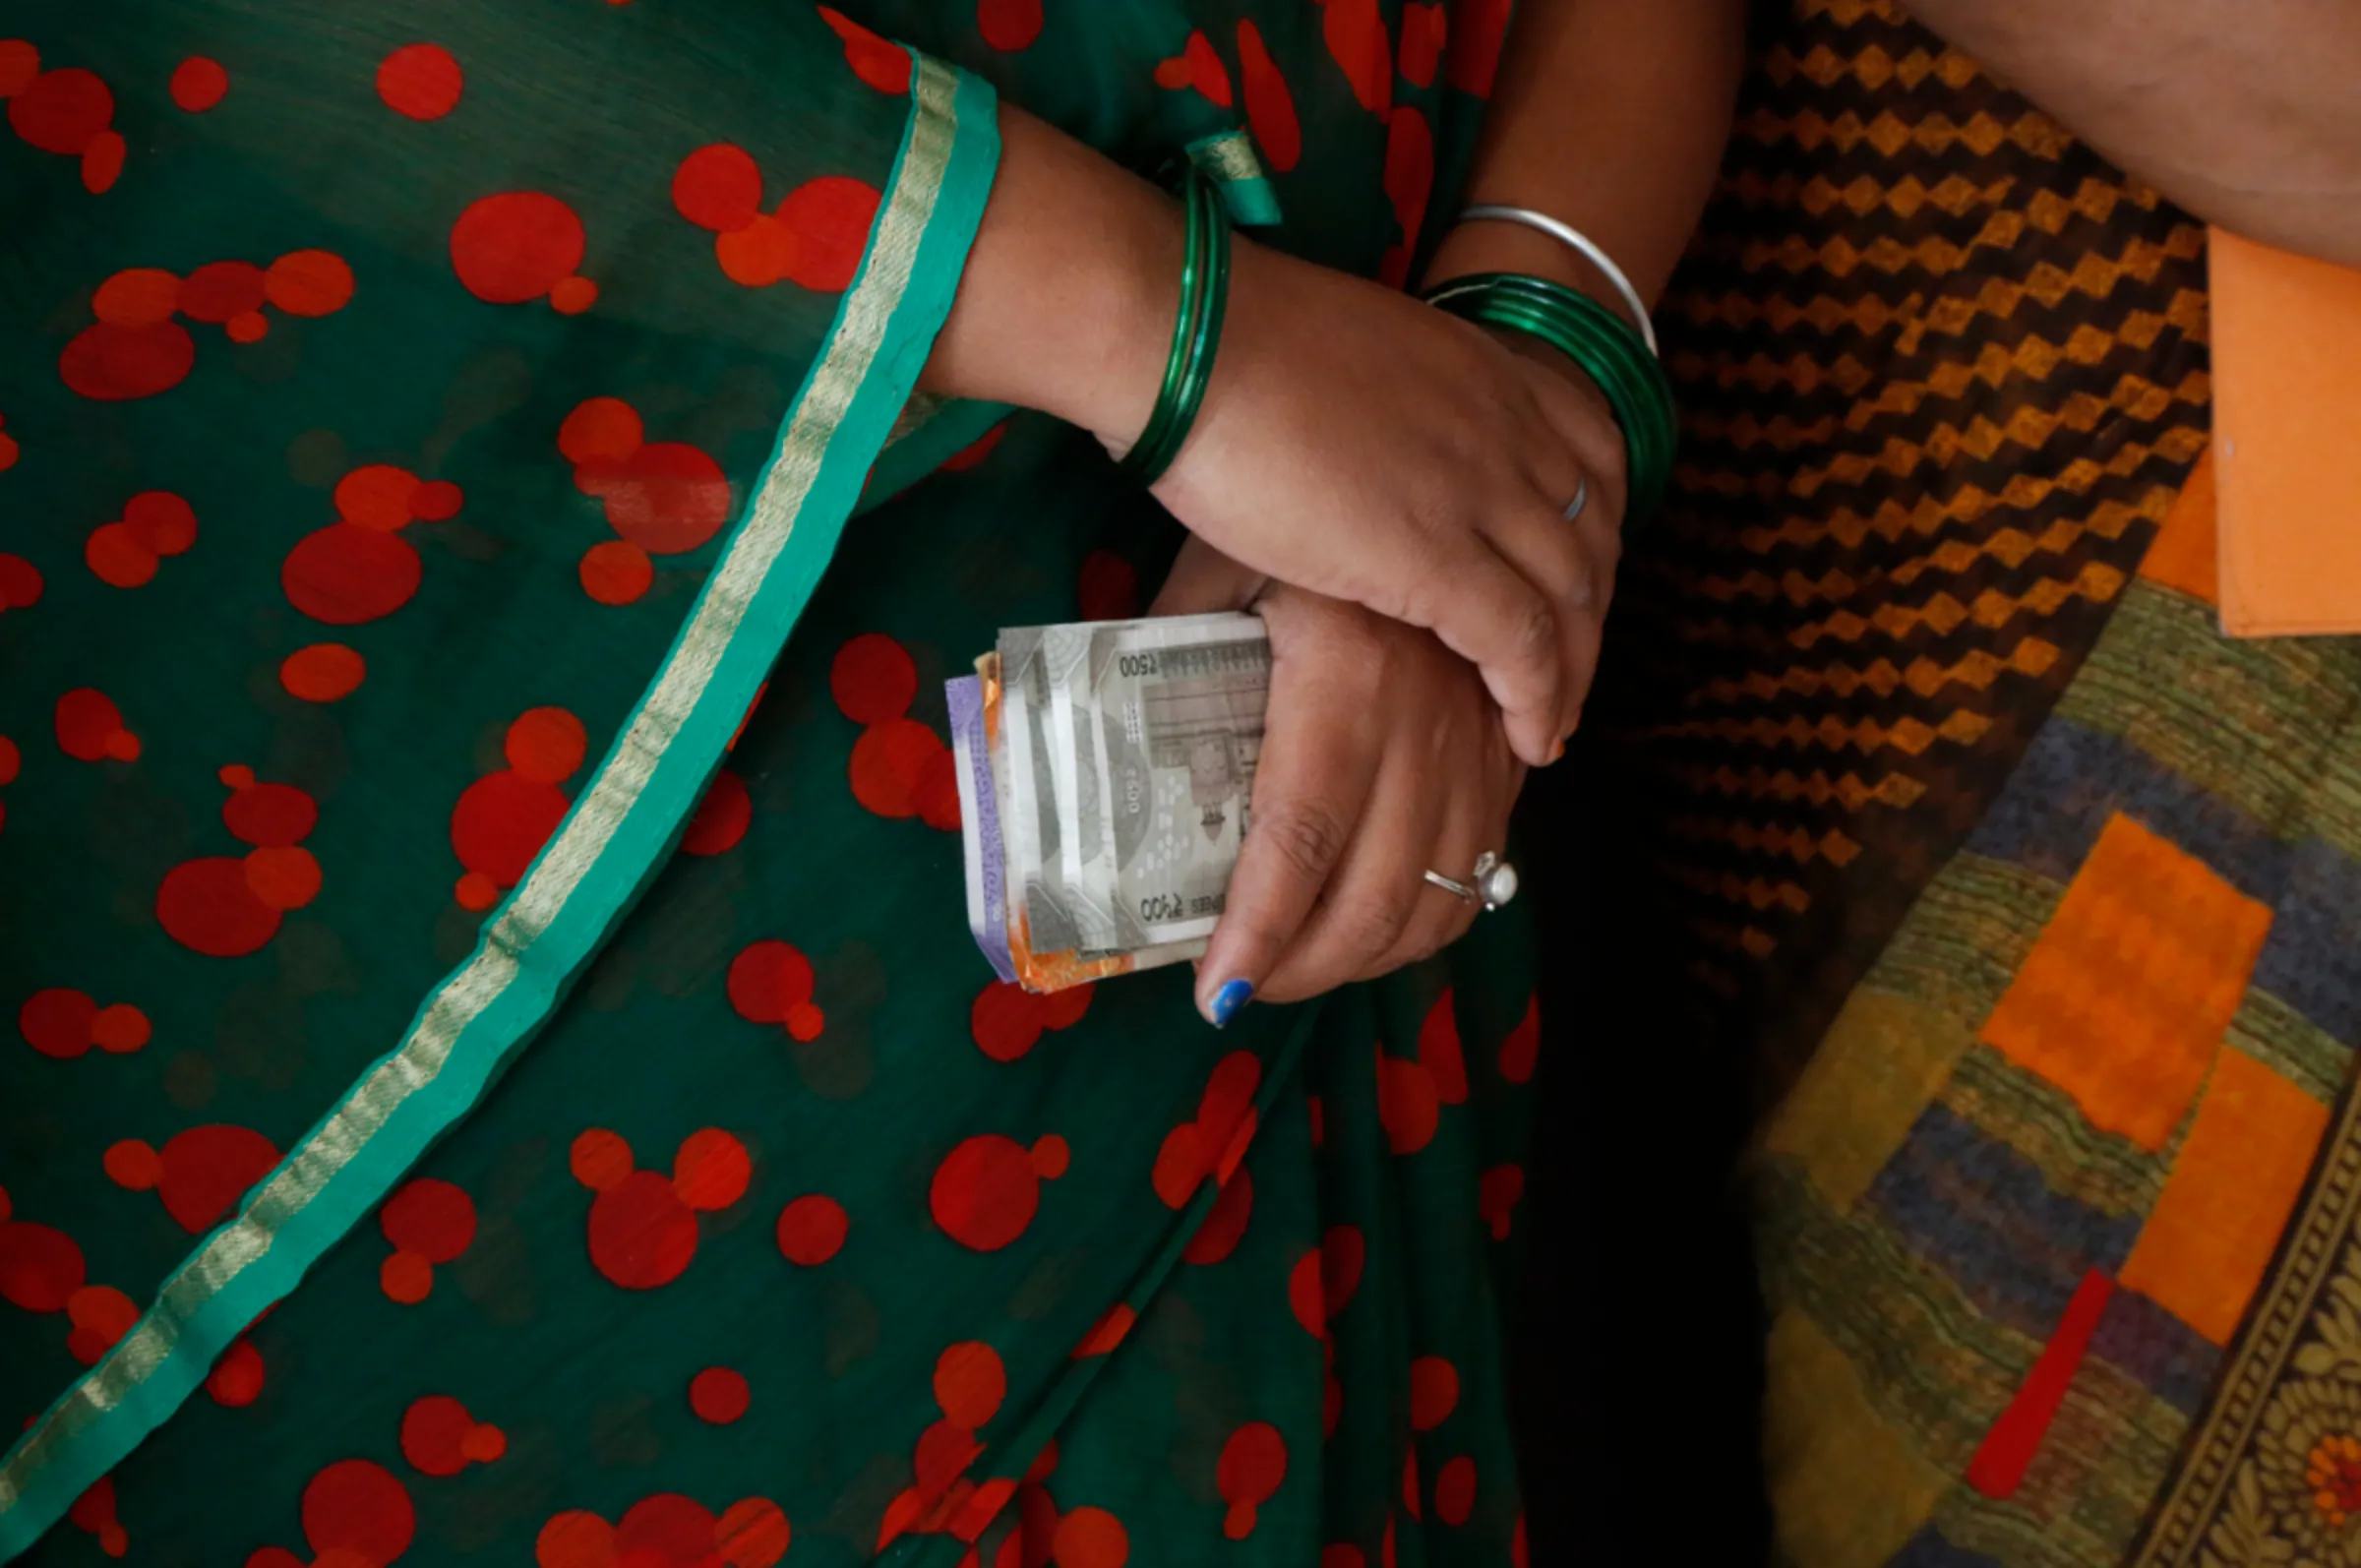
(1068, 300)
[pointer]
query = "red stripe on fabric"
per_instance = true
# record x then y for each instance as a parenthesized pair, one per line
(2008, 1447)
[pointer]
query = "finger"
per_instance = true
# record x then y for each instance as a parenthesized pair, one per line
(1203, 580)
(1552, 551)
(1470, 826)
(1374, 892)
(1602, 545)
(1321, 744)
(1489, 614)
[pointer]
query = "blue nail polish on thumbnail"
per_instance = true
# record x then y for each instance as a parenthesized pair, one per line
(1227, 1000)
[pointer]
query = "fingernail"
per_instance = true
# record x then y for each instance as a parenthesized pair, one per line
(1558, 749)
(1233, 995)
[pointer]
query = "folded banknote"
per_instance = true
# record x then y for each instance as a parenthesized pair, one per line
(1106, 770)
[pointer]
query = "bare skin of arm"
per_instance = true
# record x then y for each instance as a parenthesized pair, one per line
(2244, 111)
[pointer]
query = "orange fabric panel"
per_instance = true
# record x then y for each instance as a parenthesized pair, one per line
(2209, 1237)
(2287, 439)
(2127, 991)
(2184, 553)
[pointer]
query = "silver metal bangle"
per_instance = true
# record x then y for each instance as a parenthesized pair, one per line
(1582, 245)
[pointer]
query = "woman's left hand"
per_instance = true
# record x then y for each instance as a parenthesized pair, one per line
(1384, 757)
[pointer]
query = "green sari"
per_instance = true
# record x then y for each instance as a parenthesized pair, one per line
(502, 1071)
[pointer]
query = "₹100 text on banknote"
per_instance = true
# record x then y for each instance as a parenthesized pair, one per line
(1105, 774)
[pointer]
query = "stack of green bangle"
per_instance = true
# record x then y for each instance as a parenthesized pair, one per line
(1196, 331)
(1603, 344)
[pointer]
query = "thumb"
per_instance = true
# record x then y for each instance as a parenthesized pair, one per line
(1203, 582)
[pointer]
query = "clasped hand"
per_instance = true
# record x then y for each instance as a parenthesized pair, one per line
(1387, 487)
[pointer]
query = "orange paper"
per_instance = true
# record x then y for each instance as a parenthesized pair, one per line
(2287, 441)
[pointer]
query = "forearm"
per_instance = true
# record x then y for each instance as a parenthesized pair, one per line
(1610, 115)
(1068, 301)
(2243, 111)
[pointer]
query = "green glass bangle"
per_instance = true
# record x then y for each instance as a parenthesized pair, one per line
(1604, 347)
(1196, 331)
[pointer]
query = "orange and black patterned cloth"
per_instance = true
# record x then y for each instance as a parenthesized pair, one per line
(2026, 900)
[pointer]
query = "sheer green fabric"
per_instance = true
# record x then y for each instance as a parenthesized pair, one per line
(474, 742)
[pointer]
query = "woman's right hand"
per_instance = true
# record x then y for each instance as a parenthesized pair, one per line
(1353, 441)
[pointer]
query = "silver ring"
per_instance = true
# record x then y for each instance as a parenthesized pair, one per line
(1493, 884)
(1459, 890)
(1582, 498)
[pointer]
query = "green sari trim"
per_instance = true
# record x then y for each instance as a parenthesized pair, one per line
(615, 839)
(1236, 171)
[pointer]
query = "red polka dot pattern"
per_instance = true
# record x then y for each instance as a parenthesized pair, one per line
(359, 569)
(89, 728)
(663, 498)
(1409, 181)
(812, 1230)
(200, 1173)
(1253, 1463)
(1213, 1144)
(883, 65)
(199, 84)
(1224, 1223)
(70, 112)
(1007, 1020)
(814, 239)
(64, 1023)
(155, 525)
(236, 1380)
(642, 1227)
(357, 1506)
(1433, 1392)
(226, 907)
(438, 1438)
(519, 246)
(420, 81)
(94, 1513)
(503, 819)
(1005, 1245)
(136, 348)
(899, 768)
(721, 818)
(985, 1193)
(1356, 40)
(1197, 65)
(718, 1395)
(429, 1222)
(41, 1267)
(1455, 1491)
(1009, 25)
(1439, 1052)
(1323, 1280)
(667, 1531)
(1407, 1104)
(772, 983)
(323, 672)
(1522, 1048)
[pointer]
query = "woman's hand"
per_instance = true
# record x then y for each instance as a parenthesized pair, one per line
(1382, 758)
(1353, 441)
(1368, 447)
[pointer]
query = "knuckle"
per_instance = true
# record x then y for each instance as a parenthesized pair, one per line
(1533, 629)
(1306, 835)
(1372, 927)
